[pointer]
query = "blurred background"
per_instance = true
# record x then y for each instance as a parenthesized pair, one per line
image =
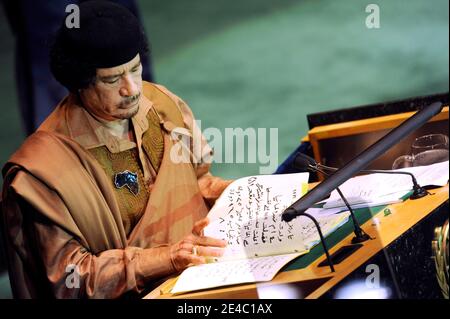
(267, 64)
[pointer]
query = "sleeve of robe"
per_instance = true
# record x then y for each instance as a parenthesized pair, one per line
(62, 264)
(110, 273)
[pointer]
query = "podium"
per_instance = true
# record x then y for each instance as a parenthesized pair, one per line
(397, 262)
(337, 137)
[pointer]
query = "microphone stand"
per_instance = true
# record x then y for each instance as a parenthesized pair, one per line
(360, 235)
(418, 191)
(362, 160)
(306, 163)
(322, 240)
(319, 230)
(357, 164)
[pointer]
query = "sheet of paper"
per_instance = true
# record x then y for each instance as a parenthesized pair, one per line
(231, 272)
(324, 212)
(367, 202)
(330, 210)
(367, 188)
(248, 216)
(430, 175)
(271, 236)
(327, 225)
(244, 197)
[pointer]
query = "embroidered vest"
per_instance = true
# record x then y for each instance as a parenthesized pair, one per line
(132, 205)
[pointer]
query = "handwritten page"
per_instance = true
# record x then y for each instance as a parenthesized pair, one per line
(231, 272)
(271, 236)
(327, 224)
(248, 216)
(244, 197)
(367, 188)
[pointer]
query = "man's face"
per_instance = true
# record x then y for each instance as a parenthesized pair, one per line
(116, 91)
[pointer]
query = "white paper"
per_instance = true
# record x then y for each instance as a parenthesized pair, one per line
(272, 236)
(338, 204)
(370, 188)
(327, 225)
(324, 212)
(248, 217)
(330, 210)
(231, 272)
(245, 194)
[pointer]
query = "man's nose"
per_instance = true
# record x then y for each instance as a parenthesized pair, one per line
(129, 87)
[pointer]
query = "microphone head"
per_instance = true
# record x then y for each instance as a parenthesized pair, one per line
(288, 215)
(304, 162)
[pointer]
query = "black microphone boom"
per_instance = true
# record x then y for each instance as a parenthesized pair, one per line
(361, 161)
(306, 163)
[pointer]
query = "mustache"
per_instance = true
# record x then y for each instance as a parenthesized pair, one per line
(129, 100)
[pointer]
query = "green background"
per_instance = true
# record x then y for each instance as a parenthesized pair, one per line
(267, 64)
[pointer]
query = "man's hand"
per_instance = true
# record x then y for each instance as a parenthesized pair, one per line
(194, 248)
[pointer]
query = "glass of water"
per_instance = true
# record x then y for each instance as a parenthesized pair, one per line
(425, 150)
(430, 149)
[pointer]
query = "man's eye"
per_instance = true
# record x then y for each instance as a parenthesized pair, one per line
(111, 81)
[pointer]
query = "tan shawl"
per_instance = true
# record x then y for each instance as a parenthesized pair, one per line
(90, 212)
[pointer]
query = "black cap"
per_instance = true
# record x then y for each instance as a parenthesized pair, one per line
(108, 35)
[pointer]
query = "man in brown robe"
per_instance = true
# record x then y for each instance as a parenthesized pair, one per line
(94, 204)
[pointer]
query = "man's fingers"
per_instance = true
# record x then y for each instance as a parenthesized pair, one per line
(189, 258)
(209, 251)
(195, 248)
(209, 241)
(197, 260)
(198, 226)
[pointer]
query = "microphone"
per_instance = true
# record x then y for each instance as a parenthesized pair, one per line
(361, 161)
(304, 162)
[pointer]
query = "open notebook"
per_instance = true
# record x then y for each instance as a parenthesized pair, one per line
(248, 216)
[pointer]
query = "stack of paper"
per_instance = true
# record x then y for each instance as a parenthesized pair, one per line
(382, 189)
(231, 272)
(248, 216)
